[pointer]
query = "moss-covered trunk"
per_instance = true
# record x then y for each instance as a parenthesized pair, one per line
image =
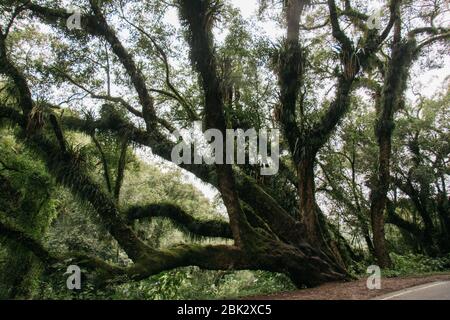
(392, 96)
(378, 204)
(307, 200)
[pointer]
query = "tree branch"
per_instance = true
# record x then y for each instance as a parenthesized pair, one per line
(444, 36)
(338, 34)
(121, 166)
(97, 25)
(104, 162)
(175, 93)
(218, 257)
(93, 95)
(206, 228)
(20, 237)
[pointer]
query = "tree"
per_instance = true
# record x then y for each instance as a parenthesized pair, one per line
(424, 152)
(267, 234)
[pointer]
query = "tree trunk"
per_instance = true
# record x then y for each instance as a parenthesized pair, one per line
(443, 209)
(378, 203)
(307, 200)
(379, 242)
(394, 86)
(314, 224)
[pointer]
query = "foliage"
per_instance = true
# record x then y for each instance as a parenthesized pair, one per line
(184, 284)
(415, 264)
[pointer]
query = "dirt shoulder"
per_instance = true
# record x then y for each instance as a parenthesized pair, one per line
(355, 290)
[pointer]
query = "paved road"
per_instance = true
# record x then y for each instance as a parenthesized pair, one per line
(430, 291)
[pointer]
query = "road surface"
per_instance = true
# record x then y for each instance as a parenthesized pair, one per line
(430, 291)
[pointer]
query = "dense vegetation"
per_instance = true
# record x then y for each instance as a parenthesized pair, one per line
(86, 122)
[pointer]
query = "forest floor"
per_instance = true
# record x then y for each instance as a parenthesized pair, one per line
(354, 290)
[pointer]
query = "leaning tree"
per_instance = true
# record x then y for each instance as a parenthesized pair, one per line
(289, 237)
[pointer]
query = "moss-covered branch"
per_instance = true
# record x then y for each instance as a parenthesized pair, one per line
(338, 34)
(395, 219)
(183, 220)
(53, 262)
(319, 135)
(13, 234)
(352, 62)
(218, 257)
